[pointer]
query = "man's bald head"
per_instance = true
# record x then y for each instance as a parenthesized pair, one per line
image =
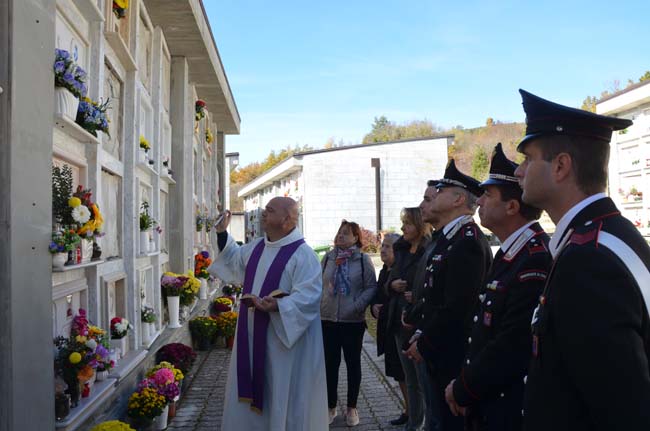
(281, 215)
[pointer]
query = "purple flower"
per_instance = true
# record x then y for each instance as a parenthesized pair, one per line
(205, 254)
(59, 67)
(68, 78)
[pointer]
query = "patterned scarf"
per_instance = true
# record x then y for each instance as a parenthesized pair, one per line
(342, 275)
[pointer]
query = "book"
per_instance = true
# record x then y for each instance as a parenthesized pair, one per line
(248, 297)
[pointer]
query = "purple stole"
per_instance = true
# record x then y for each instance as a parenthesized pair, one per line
(251, 388)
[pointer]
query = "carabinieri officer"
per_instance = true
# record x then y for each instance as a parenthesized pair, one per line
(490, 387)
(591, 328)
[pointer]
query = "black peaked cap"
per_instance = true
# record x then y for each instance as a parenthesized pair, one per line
(544, 117)
(502, 170)
(455, 178)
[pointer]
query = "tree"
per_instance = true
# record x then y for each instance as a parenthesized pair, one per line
(382, 131)
(330, 143)
(480, 164)
(589, 104)
(645, 77)
(489, 122)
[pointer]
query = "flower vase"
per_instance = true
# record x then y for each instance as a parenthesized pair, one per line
(173, 306)
(146, 332)
(203, 290)
(61, 406)
(65, 103)
(101, 375)
(172, 409)
(143, 156)
(144, 242)
(58, 260)
(86, 250)
(120, 346)
(142, 424)
(152, 245)
(160, 422)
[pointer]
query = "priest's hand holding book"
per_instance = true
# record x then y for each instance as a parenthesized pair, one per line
(268, 303)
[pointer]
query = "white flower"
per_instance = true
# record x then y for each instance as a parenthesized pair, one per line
(91, 344)
(81, 214)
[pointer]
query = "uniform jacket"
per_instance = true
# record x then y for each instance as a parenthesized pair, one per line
(498, 349)
(363, 286)
(456, 270)
(591, 331)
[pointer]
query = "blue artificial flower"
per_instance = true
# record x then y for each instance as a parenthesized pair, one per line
(59, 67)
(65, 55)
(68, 78)
(81, 74)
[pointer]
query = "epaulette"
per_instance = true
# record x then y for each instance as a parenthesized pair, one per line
(519, 244)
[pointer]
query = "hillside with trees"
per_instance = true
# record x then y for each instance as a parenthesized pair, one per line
(472, 148)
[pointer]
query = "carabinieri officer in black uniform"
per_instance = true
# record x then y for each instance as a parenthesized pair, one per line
(454, 274)
(490, 387)
(591, 331)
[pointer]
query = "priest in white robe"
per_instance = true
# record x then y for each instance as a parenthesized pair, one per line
(282, 385)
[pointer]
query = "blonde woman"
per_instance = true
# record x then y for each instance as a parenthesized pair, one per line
(408, 250)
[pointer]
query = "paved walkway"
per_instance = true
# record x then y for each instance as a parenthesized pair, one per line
(202, 404)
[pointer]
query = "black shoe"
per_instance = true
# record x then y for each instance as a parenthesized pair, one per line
(401, 420)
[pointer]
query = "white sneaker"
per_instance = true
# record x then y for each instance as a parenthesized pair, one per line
(352, 417)
(332, 413)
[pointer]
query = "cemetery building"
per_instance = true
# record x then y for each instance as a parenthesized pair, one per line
(368, 184)
(157, 65)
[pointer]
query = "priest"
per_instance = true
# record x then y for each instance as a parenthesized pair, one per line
(276, 379)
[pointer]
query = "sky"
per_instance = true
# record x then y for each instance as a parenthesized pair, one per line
(304, 72)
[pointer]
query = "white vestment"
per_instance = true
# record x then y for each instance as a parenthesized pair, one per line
(295, 389)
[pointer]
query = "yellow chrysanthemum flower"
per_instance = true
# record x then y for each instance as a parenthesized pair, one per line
(74, 202)
(74, 358)
(124, 4)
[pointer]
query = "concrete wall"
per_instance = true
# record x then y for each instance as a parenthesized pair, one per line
(37, 303)
(341, 184)
(26, 103)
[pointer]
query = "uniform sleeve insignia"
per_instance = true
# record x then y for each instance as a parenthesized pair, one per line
(532, 274)
(495, 285)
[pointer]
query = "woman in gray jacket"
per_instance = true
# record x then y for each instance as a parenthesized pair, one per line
(349, 285)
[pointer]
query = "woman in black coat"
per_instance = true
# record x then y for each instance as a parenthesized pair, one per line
(385, 339)
(408, 250)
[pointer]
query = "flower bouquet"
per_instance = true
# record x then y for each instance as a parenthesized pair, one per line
(92, 116)
(144, 144)
(209, 137)
(86, 213)
(112, 426)
(62, 243)
(179, 355)
(201, 263)
(227, 323)
(120, 7)
(162, 380)
(146, 403)
(199, 109)
(147, 314)
(72, 363)
(68, 75)
(204, 330)
(221, 305)
(200, 221)
(178, 374)
(119, 327)
(172, 283)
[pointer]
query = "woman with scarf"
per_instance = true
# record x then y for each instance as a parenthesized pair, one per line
(349, 285)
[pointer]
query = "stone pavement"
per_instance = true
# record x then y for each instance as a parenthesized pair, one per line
(202, 404)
